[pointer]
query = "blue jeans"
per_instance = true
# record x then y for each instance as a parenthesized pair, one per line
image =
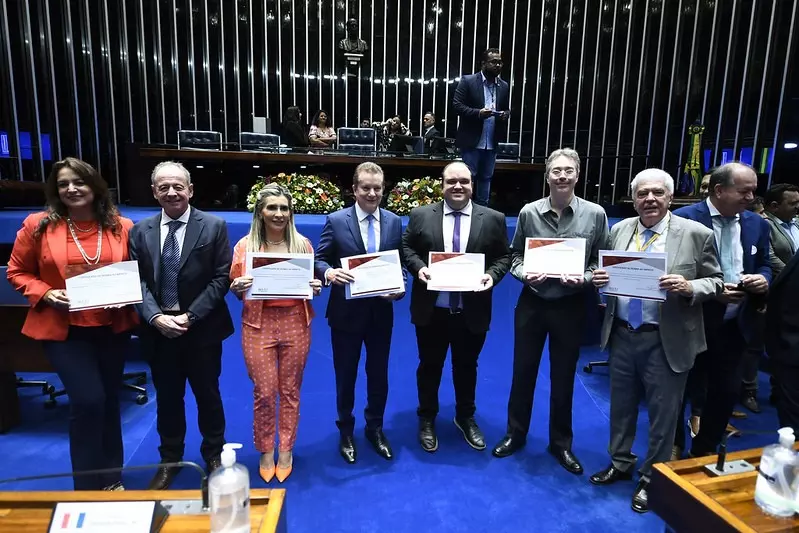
(481, 164)
(90, 363)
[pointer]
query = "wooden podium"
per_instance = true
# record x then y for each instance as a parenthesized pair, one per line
(29, 512)
(688, 499)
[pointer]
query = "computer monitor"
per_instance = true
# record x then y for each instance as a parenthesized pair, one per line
(406, 144)
(443, 146)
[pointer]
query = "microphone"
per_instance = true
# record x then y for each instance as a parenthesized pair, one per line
(722, 467)
(187, 509)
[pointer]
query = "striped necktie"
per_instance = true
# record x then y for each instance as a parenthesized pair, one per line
(170, 265)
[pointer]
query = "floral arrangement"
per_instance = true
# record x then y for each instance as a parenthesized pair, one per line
(408, 194)
(310, 194)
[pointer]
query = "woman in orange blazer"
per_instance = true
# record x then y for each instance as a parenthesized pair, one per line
(276, 334)
(81, 226)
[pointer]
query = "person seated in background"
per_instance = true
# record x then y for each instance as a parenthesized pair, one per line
(275, 334)
(704, 186)
(80, 226)
(322, 133)
(758, 206)
(293, 129)
(653, 345)
(366, 123)
(429, 132)
(388, 129)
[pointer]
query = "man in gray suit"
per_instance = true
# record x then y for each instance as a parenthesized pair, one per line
(653, 344)
(782, 206)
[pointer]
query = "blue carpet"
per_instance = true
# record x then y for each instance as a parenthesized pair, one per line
(455, 489)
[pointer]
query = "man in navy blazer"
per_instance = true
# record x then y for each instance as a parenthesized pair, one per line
(482, 102)
(184, 263)
(360, 229)
(742, 245)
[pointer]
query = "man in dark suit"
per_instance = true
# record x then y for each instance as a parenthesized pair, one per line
(482, 101)
(360, 229)
(184, 262)
(456, 320)
(429, 132)
(782, 341)
(742, 245)
(782, 206)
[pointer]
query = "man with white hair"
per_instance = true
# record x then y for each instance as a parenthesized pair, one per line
(184, 263)
(653, 344)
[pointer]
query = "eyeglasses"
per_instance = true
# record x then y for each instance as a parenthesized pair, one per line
(568, 172)
(494, 62)
(657, 193)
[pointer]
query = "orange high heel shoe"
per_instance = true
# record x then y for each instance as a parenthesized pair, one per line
(284, 472)
(266, 473)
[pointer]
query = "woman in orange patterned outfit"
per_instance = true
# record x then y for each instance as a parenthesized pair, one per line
(276, 334)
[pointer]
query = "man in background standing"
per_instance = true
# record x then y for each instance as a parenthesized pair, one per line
(482, 101)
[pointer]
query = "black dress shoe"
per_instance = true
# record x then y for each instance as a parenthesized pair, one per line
(346, 447)
(214, 464)
(471, 432)
(163, 478)
(567, 460)
(750, 402)
(507, 446)
(379, 442)
(609, 475)
(640, 503)
(427, 435)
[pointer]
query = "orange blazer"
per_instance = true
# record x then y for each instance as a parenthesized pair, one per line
(37, 265)
(251, 312)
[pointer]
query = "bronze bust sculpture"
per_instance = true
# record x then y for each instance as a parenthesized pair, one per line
(352, 44)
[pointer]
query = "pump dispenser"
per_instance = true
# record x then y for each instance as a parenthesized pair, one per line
(774, 490)
(229, 494)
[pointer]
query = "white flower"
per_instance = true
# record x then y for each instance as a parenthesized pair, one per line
(308, 201)
(404, 196)
(429, 189)
(414, 204)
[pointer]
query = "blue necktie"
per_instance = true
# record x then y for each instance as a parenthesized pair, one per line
(725, 251)
(371, 246)
(170, 264)
(455, 297)
(635, 311)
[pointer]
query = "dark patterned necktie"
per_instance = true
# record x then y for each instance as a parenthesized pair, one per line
(170, 264)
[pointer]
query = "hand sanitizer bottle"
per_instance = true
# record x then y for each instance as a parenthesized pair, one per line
(229, 494)
(773, 492)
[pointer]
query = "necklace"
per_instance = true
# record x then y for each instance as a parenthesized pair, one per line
(69, 221)
(89, 260)
(275, 243)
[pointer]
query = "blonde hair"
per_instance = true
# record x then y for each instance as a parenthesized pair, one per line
(295, 242)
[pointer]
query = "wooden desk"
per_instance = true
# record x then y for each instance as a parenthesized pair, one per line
(688, 499)
(29, 512)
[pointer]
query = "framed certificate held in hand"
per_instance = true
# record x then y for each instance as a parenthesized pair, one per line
(102, 285)
(280, 276)
(455, 271)
(375, 274)
(554, 257)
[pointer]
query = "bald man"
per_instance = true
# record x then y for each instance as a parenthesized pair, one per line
(457, 321)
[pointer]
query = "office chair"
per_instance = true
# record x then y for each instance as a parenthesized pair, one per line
(508, 151)
(199, 140)
(251, 141)
(596, 364)
(357, 139)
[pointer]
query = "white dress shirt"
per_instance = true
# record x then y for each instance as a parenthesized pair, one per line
(651, 310)
(180, 236)
(363, 223)
(737, 250)
(448, 229)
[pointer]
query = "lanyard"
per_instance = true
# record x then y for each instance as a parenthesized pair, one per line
(647, 244)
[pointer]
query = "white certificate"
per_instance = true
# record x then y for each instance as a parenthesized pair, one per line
(554, 257)
(102, 517)
(455, 271)
(102, 285)
(633, 274)
(279, 276)
(375, 274)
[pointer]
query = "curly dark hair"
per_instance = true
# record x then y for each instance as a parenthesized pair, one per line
(104, 209)
(315, 120)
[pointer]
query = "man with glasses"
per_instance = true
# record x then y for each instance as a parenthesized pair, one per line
(553, 307)
(480, 99)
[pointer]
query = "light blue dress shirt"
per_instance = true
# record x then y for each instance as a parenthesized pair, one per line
(489, 124)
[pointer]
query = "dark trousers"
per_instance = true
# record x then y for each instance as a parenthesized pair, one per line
(174, 361)
(722, 365)
(481, 164)
(787, 394)
(695, 394)
(90, 364)
(535, 319)
(638, 367)
(346, 356)
(447, 331)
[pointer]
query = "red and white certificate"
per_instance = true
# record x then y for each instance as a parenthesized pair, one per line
(375, 274)
(554, 257)
(103, 285)
(455, 271)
